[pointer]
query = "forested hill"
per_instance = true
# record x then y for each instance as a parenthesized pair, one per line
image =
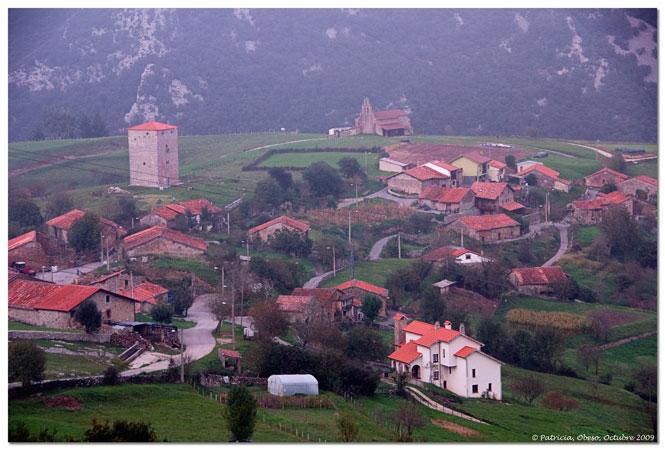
(587, 74)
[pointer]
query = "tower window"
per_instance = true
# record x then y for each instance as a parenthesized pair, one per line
(144, 163)
(167, 161)
(473, 373)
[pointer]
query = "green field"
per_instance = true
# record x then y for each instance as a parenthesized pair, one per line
(375, 272)
(175, 321)
(368, 161)
(649, 168)
(202, 270)
(584, 235)
(20, 326)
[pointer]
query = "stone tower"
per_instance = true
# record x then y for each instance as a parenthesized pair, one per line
(153, 155)
(399, 333)
(366, 121)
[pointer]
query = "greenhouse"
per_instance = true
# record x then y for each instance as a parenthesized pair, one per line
(284, 385)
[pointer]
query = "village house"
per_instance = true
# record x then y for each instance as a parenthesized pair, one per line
(488, 228)
(546, 177)
(138, 288)
(457, 200)
(590, 212)
(264, 231)
(432, 174)
(391, 122)
(446, 358)
(52, 305)
(496, 171)
(60, 226)
(492, 197)
(29, 249)
(604, 177)
(302, 308)
(153, 155)
(641, 187)
(460, 255)
(359, 289)
(160, 240)
(192, 210)
(338, 304)
(474, 165)
(391, 165)
(537, 280)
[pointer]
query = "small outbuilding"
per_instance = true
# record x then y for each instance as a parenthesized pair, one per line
(285, 385)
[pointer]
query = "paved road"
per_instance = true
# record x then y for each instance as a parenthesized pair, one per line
(68, 276)
(377, 248)
(563, 246)
(198, 340)
(383, 193)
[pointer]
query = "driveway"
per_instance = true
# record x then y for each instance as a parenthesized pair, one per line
(68, 276)
(198, 340)
(377, 248)
(383, 193)
(563, 246)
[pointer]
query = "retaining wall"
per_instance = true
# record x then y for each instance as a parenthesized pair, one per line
(59, 335)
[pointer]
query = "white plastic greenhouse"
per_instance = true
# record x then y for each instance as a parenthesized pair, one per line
(284, 385)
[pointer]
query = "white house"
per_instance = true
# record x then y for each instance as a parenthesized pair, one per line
(460, 254)
(446, 358)
(391, 165)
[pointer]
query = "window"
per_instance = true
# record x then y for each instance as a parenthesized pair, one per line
(126, 284)
(450, 370)
(108, 299)
(474, 388)
(144, 163)
(445, 384)
(443, 352)
(467, 256)
(489, 387)
(435, 358)
(473, 373)
(436, 374)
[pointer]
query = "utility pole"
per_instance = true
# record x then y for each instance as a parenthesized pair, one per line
(182, 358)
(547, 205)
(349, 225)
(101, 246)
(228, 222)
(461, 232)
(334, 262)
(233, 316)
(399, 245)
(248, 248)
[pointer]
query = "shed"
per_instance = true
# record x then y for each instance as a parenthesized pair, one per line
(284, 385)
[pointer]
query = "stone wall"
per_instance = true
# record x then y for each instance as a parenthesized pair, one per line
(161, 246)
(32, 254)
(60, 336)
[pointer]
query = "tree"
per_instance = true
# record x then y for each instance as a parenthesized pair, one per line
(290, 242)
(510, 162)
(528, 388)
(531, 179)
(432, 306)
(406, 421)
(85, 234)
(282, 177)
(623, 234)
(85, 126)
(58, 204)
(599, 324)
(25, 212)
(400, 379)
(365, 344)
(589, 355)
(268, 194)
(240, 414)
(119, 431)
(128, 209)
(111, 375)
(347, 427)
(59, 123)
(26, 362)
(323, 180)
(98, 126)
(349, 167)
(162, 313)
(270, 321)
(88, 315)
(617, 162)
(371, 307)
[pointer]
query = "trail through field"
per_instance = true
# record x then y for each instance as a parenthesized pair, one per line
(377, 248)
(613, 344)
(563, 245)
(283, 143)
(54, 160)
(454, 427)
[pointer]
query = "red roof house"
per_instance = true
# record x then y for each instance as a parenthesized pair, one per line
(451, 200)
(159, 240)
(536, 280)
(267, 229)
(592, 211)
(488, 228)
(604, 176)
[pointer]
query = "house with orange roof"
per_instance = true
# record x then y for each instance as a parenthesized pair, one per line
(604, 177)
(359, 289)
(453, 200)
(432, 174)
(488, 228)
(537, 280)
(53, 305)
(446, 358)
(474, 164)
(192, 210)
(338, 305)
(493, 197)
(496, 170)
(160, 240)
(145, 293)
(590, 212)
(546, 177)
(265, 230)
(30, 249)
(641, 187)
(303, 308)
(59, 227)
(460, 255)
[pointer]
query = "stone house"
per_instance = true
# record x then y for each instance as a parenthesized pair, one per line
(415, 180)
(446, 358)
(145, 293)
(496, 171)
(264, 231)
(492, 197)
(28, 248)
(604, 176)
(455, 200)
(537, 280)
(159, 240)
(302, 308)
(359, 289)
(546, 177)
(193, 210)
(52, 305)
(153, 155)
(641, 187)
(60, 226)
(391, 165)
(338, 305)
(475, 166)
(488, 228)
(590, 212)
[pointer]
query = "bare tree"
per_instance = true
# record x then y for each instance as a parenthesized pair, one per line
(528, 388)
(406, 420)
(589, 355)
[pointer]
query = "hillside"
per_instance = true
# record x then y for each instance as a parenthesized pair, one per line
(584, 74)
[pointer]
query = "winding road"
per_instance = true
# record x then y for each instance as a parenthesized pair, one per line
(563, 245)
(377, 248)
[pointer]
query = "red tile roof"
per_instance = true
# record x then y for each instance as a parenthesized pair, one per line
(89, 280)
(399, 316)
(438, 254)
(160, 231)
(284, 220)
(487, 190)
(196, 206)
(538, 275)
(489, 222)
(648, 180)
(229, 353)
(28, 294)
(166, 212)
(418, 327)
(497, 164)
(607, 170)
(613, 198)
(293, 303)
(465, 351)
(407, 353)
(442, 334)
(444, 195)
(19, 241)
(512, 205)
(423, 173)
(323, 294)
(389, 114)
(66, 220)
(541, 168)
(152, 126)
(474, 156)
(144, 292)
(362, 285)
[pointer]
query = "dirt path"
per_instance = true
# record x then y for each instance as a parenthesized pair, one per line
(455, 427)
(55, 160)
(377, 248)
(625, 340)
(563, 246)
(283, 143)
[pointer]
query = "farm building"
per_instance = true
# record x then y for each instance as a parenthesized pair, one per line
(303, 308)
(546, 177)
(640, 187)
(459, 254)
(190, 210)
(496, 171)
(145, 293)
(286, 385)
(52, 305)
(474, 166)
(434, 174)
(30, 249)
(522, 165)
(338, 305)
(391, 165)
(153, 155)
(603, 177)
(448, 200)
(537, 280)
(444, 286)
(392, 122)
(492, 197)
(267, 229)
(591, 212)
(159, 240)
(60, 226)
(488, 228)
(359, 289)
(446, 358)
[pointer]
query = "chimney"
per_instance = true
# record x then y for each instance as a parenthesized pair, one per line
(436, 325)
(447, 325)
(462, 330)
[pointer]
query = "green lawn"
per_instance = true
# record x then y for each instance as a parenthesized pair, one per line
(649, 168)
(370, 161)
(175, 321)
(375, 272)
(20, 326)
(585, 234)
(202, 270)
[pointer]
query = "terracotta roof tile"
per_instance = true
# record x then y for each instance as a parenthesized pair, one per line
(418, 327)
(474, 156)
(541, 168)
(294, 303)
(152, 126)
(284, 220)
(648, 180)
(539, 275)
(389, 114)
(488, 222)
(19, 241)
(407, 353)
(159, 231)
(465, 351)
(229, 353)
(196, 206)
(438, 254)
(144, 292)
(28, 294)
(442, 334)
(423, 173)
(600, 202)
(443, 194)
(607, 170)
(362, 285)
(66, 220)
(512, 205)
(323, 294)
(488, 190)
(497, 164)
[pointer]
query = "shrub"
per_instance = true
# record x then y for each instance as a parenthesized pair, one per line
(528, 388)
(26, 362)
(89, 316)
(120, 431)
(162, 313)
(241, 414)
(606, 378)
(630, 386)
(556, 401)
(347, 427)
(111, 375)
